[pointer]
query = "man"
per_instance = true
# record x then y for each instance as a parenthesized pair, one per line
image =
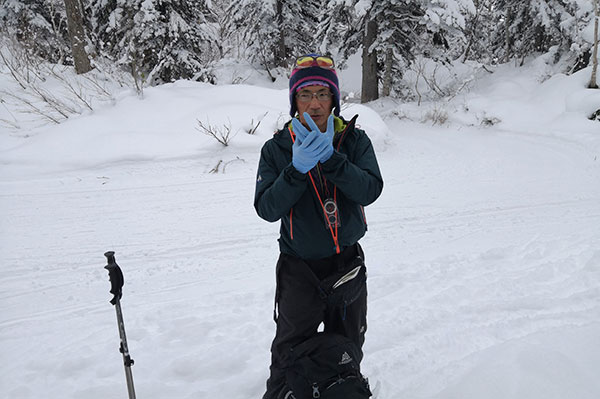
(315, 175)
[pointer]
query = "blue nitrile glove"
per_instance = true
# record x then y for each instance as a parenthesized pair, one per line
(311, 146)
(299, 130)
(305, 154)
(326, 137)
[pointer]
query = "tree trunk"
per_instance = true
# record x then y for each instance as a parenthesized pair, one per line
(77, 36)
(280, 50)
(507, 17)
(370, 89)
(387, 75)
(593, 82)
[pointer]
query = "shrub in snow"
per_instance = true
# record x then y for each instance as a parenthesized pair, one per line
(437, 115)
(220, 133)
(47, 92)
(254, 126)
(489, 120)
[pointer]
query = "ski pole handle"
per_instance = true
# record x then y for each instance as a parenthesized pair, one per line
(115, 275)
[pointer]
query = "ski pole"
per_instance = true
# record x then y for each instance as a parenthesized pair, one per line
(115, 276)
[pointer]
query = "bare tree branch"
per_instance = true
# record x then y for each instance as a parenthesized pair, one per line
(221, 134)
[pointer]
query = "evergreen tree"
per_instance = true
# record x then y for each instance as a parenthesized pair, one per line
(227, 40)
(255, 20)
(479, 28)
(338, 31)
(161, 40)
(405, 29)
(401, 29)
(531, 27)
(578, 27)
(345, 27)
(40, 26)
(276, 30)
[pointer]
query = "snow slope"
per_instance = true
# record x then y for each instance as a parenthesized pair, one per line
(483, 250)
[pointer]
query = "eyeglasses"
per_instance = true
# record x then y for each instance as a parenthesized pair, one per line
(307, 61)
(307, 96)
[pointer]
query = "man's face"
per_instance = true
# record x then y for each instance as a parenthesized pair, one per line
(317, 109)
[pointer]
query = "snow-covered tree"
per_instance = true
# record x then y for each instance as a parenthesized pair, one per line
(578, 27)
(346, 27)
(228, 41)
(40, 26)
(404, 29)
(478, 29)
(276, 30)
(255, 20)
(338, 31)
(532, 27)
(161, 40)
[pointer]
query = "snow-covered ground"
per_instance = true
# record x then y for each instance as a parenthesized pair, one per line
(483, 250)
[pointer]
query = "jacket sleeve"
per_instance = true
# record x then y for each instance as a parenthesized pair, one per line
(360, 180)
(276, 191)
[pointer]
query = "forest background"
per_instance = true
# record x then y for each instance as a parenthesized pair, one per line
(152, 42)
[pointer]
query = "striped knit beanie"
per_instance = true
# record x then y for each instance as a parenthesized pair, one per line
(314, 75)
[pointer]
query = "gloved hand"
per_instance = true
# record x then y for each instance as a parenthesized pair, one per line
(306, 153)
(299, 130)
(325, 139)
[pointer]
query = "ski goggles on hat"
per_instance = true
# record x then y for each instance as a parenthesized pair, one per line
(321, 61)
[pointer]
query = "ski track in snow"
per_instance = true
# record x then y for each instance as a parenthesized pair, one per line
(480, 239)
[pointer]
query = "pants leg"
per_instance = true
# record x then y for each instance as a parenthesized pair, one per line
(301, 311)
(350, 322)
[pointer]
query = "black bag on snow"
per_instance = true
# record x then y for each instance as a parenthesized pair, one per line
(325, 366)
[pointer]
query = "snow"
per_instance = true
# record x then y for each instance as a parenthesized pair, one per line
(362, 7)
(483, 250)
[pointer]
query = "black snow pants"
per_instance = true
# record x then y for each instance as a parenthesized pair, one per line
(301, 310)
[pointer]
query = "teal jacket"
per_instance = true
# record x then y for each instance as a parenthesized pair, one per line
(283, 193)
